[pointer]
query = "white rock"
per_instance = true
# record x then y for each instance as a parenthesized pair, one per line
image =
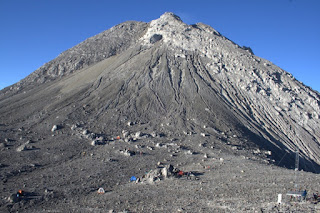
(125, 133)
(268, 152)
(257, 151)
(74, 127)
(54, 128)
(189, 152)
(149, 147)
(164, 172)
(23, 147)
(138, 134)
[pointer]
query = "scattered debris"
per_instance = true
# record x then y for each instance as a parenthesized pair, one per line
(94, 138)
(163, 172)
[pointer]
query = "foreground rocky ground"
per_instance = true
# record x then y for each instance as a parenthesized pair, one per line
(63, 174)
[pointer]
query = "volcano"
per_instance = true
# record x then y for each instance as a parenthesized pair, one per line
(141, 93)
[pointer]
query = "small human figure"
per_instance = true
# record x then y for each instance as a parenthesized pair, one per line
(304, 194)
(18, 196)
(20, 193)
(316, 196)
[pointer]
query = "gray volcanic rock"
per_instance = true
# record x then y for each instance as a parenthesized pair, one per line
(160, 91)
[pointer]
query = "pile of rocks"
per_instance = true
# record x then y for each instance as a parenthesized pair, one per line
(160, 173)
(127, 152)
(96, 139)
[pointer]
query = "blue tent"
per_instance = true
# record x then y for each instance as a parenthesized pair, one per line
(133, 178)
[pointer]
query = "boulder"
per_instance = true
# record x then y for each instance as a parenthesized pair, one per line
(160, 173)
(137, 135)
(74, 127)
(167, 171)
(23, 147)
(127, 152)
(2, 145)
(54, 128)
(125, 133)
(85, 132)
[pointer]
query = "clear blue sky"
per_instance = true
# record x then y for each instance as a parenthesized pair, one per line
(286, 32)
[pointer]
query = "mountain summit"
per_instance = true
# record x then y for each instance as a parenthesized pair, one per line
(188, 76)
(167, 81)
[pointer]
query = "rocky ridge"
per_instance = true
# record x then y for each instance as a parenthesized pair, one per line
(264, 93)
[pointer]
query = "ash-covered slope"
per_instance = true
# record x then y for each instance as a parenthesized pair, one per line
(108, 43)
(173, 78)
(266, 99)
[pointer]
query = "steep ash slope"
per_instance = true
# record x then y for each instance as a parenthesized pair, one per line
(182, 75)
(178, 77)
(283, 109)
(108, 43)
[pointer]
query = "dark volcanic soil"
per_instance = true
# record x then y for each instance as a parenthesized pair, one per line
(63, 172)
